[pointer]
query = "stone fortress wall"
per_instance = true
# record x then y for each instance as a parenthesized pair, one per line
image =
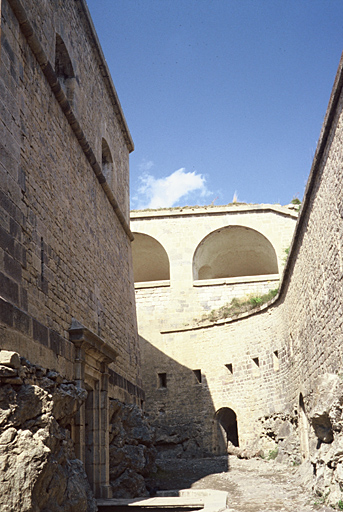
(214, 255)
(67, 298)
(67, 304)
(281, 365)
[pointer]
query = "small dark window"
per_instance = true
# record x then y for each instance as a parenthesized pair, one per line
(256, 361)
(162, 380)
(276, 363)
(197, 373)
(229, 367)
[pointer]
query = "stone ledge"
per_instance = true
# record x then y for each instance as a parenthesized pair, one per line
(152, 284)
(170, 502)
(236, 280)
(213, 210)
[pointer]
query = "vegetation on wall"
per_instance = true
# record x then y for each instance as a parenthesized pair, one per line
(238, 305)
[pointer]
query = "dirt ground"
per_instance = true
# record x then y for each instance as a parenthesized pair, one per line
(257, 485)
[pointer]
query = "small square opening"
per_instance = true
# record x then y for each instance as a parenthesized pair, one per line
(276, 362)
(197, 373)
(162, 380)
(230, 368)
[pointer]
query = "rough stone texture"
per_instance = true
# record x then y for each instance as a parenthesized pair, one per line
(132, 452)
(38, 468)
(9, 359)
(324, 407)
(279, 438)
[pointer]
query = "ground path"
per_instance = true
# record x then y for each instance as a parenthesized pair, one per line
(257, 485)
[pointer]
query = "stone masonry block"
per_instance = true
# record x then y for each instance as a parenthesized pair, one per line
(6, 313)
(10, 359)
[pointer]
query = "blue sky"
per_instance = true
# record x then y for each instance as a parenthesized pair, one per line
(221, 97)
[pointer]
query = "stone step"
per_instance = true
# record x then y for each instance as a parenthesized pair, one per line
(175, 503)
(205, 500)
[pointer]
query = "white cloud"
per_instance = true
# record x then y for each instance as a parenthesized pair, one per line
(146, 165)
(167, 192)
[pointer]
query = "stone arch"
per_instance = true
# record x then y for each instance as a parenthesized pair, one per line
(106, 161)
(225, 430)
(64, 69)
(234, 251)
(150, 259)
(303, 430)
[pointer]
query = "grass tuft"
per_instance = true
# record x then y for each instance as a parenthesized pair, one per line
(237, 306)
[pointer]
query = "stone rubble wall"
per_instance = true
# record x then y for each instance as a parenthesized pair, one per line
(324, 408)
(38, 468)
(132, 450)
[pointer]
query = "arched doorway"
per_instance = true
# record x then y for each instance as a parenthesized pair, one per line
(225, 430)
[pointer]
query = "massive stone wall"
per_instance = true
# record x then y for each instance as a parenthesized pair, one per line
(67, 298)
(312, 288)
(61, 236)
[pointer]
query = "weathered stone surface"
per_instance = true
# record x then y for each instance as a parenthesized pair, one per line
(7, 372)
(132, 452)
(325, 406)
(278, 438)
(38, 468)
(10, 359)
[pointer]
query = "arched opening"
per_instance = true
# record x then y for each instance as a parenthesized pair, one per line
(106, 161)
(150, 260)
(64, 69)
(234, 251)
(226, 430)
(303, 430)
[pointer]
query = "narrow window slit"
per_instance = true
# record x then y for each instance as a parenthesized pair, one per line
(197, 373)
(162, 380)
(230, 368)
(276, 362)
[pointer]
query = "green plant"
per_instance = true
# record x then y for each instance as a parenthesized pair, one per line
(237, 306)
(286, 255)
(273, 454)
(256, 301)
(322, 499)
(295, 200)
(340, 505)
